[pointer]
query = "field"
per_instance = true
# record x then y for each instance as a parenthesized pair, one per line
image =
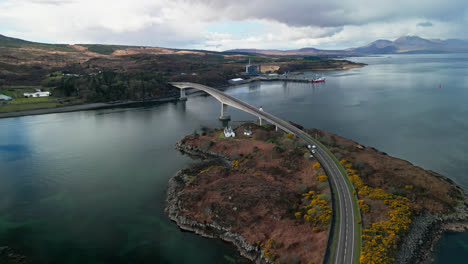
(17, 92)
(20, 103)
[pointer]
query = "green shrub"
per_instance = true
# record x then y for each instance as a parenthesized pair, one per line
(278, 149)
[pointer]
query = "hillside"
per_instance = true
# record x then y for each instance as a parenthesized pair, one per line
(7, 42)
(90, 73)
(27, 63)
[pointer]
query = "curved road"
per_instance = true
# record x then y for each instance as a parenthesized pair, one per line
(345, 244)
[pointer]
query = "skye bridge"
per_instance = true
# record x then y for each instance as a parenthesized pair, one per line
(342, 248)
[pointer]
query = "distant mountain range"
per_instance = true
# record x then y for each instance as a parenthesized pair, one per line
(405, 44)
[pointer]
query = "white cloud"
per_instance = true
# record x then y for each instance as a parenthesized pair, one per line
(286, 37)
(185, 23)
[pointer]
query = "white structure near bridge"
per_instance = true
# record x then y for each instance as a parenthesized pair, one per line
(37, 94)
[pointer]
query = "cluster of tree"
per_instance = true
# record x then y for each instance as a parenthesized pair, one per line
(112, 86)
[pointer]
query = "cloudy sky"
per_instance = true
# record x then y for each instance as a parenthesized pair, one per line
(223, 24)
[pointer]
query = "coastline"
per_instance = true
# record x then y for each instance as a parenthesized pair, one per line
(83, 107)
(93, 106)
(176, 187)
(417, 246)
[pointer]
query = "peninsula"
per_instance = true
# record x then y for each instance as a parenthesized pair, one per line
(268, 196)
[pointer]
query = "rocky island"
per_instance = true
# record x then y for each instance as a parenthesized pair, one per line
(266, 194)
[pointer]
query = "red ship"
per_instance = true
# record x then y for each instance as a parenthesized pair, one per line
(318, 80)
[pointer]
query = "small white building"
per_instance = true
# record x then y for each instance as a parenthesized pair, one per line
(228, 132)
(37, 94)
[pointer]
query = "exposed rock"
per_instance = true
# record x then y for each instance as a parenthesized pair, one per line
(418, 245)
(243, 202)
(7, 256)
(211, 230)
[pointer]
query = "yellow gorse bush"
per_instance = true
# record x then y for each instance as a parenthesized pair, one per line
(208, 169)
(316, 211)
(316, 165)
(381, 238)
(363, 207)
(268, 252)
(322, 178)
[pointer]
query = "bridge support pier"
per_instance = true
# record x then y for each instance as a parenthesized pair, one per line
(276, 128)
(183, 97)
(224, 115)
(260, 121)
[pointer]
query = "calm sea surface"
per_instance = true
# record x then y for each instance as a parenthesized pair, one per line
(90, 187)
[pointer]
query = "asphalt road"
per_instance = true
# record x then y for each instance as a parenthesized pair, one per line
(345, 246)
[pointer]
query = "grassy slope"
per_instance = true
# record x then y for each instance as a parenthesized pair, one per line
(20, 103)
(106, 49)
(17, 43)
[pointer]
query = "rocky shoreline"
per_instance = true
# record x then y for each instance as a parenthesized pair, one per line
(8, 256)
(210, 230)
(417, 246)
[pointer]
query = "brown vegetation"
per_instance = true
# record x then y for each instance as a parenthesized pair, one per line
(263, 192)
(426, 190)
(28, 63)
(390, 192)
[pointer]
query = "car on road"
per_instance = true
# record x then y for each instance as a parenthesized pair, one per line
(313, 151)
(309, 146)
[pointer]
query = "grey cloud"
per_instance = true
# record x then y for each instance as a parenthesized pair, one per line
(181, 23)
(425, 24)
(333, 13)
